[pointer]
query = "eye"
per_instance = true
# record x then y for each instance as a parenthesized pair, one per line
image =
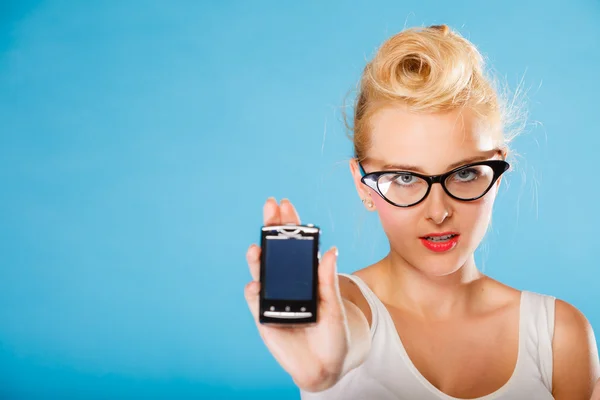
(466, 175)
(405, 179)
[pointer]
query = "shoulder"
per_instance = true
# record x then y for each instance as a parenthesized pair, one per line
(351, 291)
(570, 323)
(495, 295)
(575, 353)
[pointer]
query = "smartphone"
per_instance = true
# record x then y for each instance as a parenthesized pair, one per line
(288, 274)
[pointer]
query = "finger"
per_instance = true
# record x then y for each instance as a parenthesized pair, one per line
(251, 292)
(329, 288)
(288, 213)
(253, 259)
(271, 215)
(596, 393)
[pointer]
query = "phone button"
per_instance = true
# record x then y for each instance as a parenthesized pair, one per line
(276, 314)
(287, 315)
(279, 314)
(303, 314)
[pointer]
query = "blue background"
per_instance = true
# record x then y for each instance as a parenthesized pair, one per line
(140, 139)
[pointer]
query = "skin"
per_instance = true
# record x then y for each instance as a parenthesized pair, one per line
(459, 327)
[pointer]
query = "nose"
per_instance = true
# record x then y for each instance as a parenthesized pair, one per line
(437, 205)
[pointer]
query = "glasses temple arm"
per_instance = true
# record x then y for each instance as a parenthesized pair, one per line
(362, 170)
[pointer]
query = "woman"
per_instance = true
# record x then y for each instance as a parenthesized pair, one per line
(424, 323)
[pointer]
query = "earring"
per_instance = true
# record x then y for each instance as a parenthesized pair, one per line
(369, 203)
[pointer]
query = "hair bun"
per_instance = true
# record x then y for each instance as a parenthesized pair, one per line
(426, 68)
(431, 69)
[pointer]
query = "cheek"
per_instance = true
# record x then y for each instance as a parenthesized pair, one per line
(384, 208)
(475, 217)
(387, 212)
(394, 220)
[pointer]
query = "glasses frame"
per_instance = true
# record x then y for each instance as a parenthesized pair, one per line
(371, 179)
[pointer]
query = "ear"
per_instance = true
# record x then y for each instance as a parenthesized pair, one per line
(361, 189)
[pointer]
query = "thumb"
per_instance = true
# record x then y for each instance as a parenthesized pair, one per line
(251, 293)
(329, 289)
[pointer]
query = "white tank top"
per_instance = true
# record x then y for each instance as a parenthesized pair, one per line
(388, 373)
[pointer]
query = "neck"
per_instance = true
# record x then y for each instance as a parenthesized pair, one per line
(429, 297)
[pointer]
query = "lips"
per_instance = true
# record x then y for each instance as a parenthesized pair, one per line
(441, 238)
(440, 242)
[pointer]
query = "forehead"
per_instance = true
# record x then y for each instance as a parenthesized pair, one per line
(430, 141)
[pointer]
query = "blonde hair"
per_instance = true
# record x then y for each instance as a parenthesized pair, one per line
(432, 69)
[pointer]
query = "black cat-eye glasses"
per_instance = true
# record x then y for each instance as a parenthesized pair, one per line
(466, 183)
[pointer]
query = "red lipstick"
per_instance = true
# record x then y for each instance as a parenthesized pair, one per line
(440, 242)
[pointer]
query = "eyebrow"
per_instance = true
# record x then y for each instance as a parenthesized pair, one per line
(405, 167)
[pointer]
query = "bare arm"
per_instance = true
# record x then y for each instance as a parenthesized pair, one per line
(575, 355)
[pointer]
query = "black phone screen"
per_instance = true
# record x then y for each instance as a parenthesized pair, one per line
(289, 269)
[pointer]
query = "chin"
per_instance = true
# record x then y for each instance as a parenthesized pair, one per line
(440, 264)
(439, 267)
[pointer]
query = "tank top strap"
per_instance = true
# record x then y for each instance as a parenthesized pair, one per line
(538, 326)
(369, 295)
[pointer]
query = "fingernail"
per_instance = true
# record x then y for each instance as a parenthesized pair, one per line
(284, 199)
(335, 251)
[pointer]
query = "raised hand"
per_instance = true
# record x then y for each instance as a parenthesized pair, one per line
(313, 355)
